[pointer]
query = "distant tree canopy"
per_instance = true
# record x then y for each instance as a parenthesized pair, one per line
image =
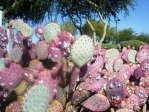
(29, 10)
(76, 10)
(68, 26)
(99, 26)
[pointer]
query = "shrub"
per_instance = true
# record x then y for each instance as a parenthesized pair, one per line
(108, 46)
(132, 43)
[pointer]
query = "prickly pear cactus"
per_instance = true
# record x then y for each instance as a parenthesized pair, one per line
(16, 54)
(20, 90)
(145, 65)
(36, 99)
(50, 31)
(41, 50)
(112, 53)
(17, 24)
(2, 63)
(96, 102)
(132, 56)
(115, 91)
(3, 38)
(82, 50)
(11, 77)
(26, 30)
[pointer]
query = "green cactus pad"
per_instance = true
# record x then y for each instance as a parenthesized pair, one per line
(132, 56)
(18, 24)
(26, 30)
(82, 50)
(112, 53)
(109, 65)
(36, 99)
(2, 63)
(16, 54)
(50, 31)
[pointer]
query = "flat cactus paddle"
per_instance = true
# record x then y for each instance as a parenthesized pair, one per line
(112, 53)
(132, 56)
(82, 50)
(50, 31)
(36, 99)
(145, 65)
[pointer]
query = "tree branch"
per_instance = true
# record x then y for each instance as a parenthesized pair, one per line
(94, 32)
(105, 26)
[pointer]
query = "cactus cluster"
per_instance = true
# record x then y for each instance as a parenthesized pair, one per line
(63, 74)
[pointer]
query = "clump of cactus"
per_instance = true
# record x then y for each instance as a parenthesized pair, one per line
(61, 73)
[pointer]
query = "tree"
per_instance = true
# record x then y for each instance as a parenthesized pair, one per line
(68, 26)
(125, 35)
(143, 37)
(99, 27)
(29, 10)
(76, 10)
(79, 10)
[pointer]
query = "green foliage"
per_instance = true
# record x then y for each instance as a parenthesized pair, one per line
(28, 10)
(75, 10)
(99, 27)
(132, 43)
(125, 35)
(109, 46)
(143, 37)
(68, 26)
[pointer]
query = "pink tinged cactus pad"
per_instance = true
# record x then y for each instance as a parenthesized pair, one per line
(36, 65)
(138, 73)
(144, 47)
(142, 55)
(30, 75)
(125, 72)
(11, 77)
(79, 95)
(96, 102)
(41, 50)
(94, 66)
(97, 85)
(132, 56)
(82, 50)
(46, 78)
(55, 53)
(115, 91)
(39, 32)
(74, 79)
(3, 38)
(36, 99)
(16, 54)
(142, 94)
(50, 31)
(65, 39)
(118, 64)
(145, 65)
(112, 53)
(124, 55)
(131, 103)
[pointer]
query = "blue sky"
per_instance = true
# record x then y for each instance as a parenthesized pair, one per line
(138, 19)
